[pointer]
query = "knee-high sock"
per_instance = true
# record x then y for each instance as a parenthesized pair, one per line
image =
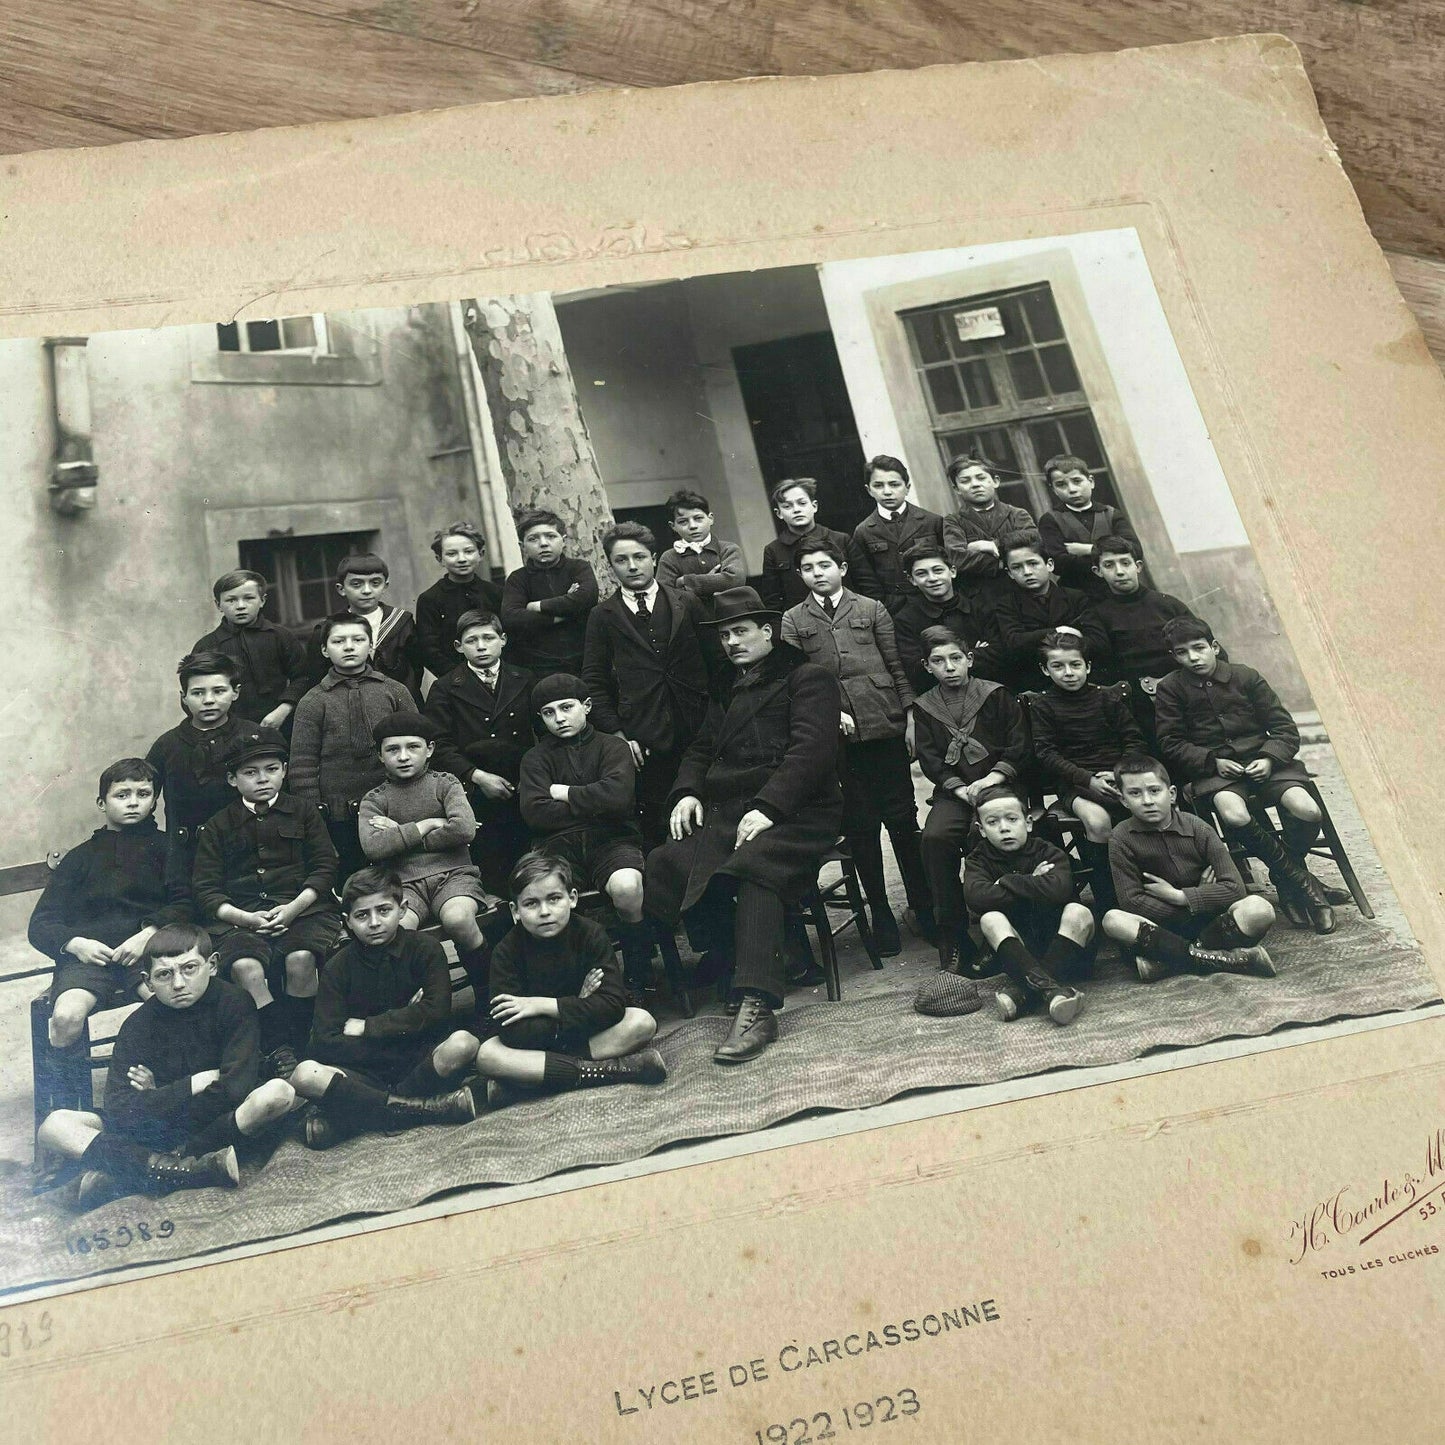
(1063, 957)
(123, 1159)
(424, 1081)
(1155, 941)
(1019, 964)
(559, 1071)
(353, 1099)
(297, 1018)
(759, 935)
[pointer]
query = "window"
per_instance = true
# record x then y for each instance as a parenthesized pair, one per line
(289, 333)
(301, 572)
(998, 377)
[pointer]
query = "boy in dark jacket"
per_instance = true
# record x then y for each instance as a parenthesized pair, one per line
(795, 505)
(361, 581)
(1182, 903)
(886, 533)
(1079, 733)
(698, 562)
(647, 669)
(382, 1053)
(482, 709)
(970, 735)
(264, 869)
(1021, 890)
(272, 662)
(182, 1090)
(1223, 727)
(852, 637)
(1072, 527)
(462, 587)
(1034, 604)
(578, 797)
(103, 903)
(558, 997)
(187, 759)
(974, 532)
(939, 603)
(545, 602)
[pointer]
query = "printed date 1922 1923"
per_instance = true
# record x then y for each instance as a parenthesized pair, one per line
(863, 1415)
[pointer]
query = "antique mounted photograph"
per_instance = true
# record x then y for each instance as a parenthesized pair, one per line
(477, 748)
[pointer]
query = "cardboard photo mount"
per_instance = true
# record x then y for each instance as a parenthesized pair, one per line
(1178, 1256)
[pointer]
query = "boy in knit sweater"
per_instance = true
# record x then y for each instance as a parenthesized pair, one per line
(577, 792)
(420, 823)
(334, 762)
(558, 997)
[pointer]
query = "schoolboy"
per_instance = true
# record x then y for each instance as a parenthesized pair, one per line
(1182, 903)
(1225, 731)
(937, 602)
(852, 637)
(272, 662)
(383, 1054)
(577, 793)
(795, 505)
(647, 669)
(1021, 891)
(887, 532)
(484, 726)
(462, 587)
(420, 823)
(698, 562)
(1079, 732)
(1076, 522)
(557, 994)
(106, 898)
(1034, 604)
(182, 1091)
(970, 735)
(334, 762)
(361, 582)
(263, 874)
(545, 602)
(975, 529)
(187, 759)
(1133, 617)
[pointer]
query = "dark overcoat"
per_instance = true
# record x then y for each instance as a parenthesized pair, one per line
(774, 747)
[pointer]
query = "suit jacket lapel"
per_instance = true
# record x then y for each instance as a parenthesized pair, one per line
(511, 680)
(629, 619)
(744, 707)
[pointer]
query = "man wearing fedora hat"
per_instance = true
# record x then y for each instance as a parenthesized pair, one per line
(755, 806)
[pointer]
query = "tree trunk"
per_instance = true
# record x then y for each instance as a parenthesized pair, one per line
(547, 456)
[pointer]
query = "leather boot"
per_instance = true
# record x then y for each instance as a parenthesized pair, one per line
(643, 1067)
(168, 1172)
(322, 1130)
(636, 941)
(754, 1028)
(1265, 844)
(1253, 960)
(956, 949)
(458, 1107)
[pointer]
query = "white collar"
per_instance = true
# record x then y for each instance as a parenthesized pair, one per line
(892, 516)
(823, 601)
(486, 673)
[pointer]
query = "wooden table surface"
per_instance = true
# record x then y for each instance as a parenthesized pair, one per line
(91, 72)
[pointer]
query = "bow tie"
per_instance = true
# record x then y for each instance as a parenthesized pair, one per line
(681, 547)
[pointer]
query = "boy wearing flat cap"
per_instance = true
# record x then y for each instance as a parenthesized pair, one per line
(263, 873)
(578, 796)
(420, 824)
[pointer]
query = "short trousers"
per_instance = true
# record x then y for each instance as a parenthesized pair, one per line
(315, 933)
(1282, 777)
(395, 1061)
(1116, 810)
(111, 984)
(200, 1131)
(425, 896)
(593, 861)
(546, 1034)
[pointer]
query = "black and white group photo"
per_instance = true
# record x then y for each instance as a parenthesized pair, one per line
(477, 748)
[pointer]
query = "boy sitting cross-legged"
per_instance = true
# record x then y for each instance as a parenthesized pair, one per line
(264, 869)
(558, 996)
(1021, 890)
(970, 735)
(1079, 732)
(1182, 903)
(182, 1090)
(578, 797)
(420, 823)
(1226, 731)
(383, 1054)
(103, 903)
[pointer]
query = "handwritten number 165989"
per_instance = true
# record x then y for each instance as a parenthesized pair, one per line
(865, 1414)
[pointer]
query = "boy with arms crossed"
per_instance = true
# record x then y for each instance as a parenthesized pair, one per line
(558, 997)
(697, 562)
(939, 603)
(974, 532)
(382, 1053)
(182, 1090)
(271, 662)
(795, 505)
(545, 602)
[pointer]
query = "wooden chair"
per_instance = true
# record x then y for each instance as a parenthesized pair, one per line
(843, 895)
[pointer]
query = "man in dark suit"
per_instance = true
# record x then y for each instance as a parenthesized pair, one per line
(646, 668)
(484, 720)
(756, 805)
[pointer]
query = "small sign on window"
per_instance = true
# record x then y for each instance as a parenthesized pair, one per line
(979, 325)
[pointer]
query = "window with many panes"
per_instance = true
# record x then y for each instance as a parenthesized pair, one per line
(998, 378)
(301, 572)
(286, 333)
